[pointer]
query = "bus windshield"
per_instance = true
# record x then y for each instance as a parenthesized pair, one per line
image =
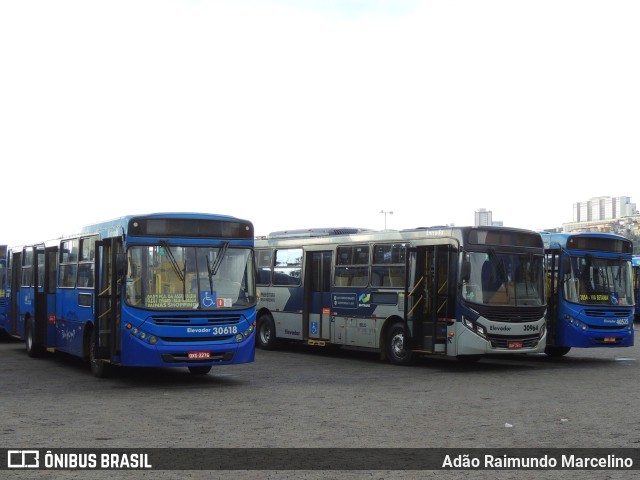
(185, 277)
(503, 279)
(590, 280)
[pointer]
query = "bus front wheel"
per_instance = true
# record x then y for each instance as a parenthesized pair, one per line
(99, 367)
(266, 333)
(553, 351)
(395, 344)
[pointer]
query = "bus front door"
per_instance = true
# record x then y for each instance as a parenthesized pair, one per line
(107, 304)
(316, 315)
(429, 306)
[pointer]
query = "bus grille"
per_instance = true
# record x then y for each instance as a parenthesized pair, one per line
(608, 327)
(511, 315)
(182, 320)
(613, 312)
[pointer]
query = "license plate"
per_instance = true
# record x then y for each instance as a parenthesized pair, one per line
(514, 345)
(609, 339)
(198, 355)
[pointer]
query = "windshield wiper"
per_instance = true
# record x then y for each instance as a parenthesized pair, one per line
(219, 258)
(503, 271)
(210, 272)
(176, 267)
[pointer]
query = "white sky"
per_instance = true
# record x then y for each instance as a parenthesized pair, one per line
(315, 113)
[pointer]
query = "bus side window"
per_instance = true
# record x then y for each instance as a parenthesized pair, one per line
(342, 278)
(264, 267)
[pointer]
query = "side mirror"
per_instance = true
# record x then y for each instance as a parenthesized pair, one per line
(465, 273)
(121, 264)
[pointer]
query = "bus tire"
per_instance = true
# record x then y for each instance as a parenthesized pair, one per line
(266, 332)
(99, 367)
(556, 352)
(395, 342)
(199, 370)
(34, 350)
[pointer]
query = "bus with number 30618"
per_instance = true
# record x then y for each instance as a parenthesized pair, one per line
(462, 292)
(156, 290)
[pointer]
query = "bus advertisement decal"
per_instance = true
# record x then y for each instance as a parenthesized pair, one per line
(344, 300)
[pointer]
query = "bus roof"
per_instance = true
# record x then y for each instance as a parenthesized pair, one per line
(316, 232)
(502, 235)
(119, 226)
(602, 241)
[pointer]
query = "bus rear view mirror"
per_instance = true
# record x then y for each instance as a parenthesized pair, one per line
(465, 274)
(121, 264)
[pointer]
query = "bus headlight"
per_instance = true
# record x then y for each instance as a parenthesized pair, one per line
(142, 335)
(239, 337)
(577, 323)
(474, 327)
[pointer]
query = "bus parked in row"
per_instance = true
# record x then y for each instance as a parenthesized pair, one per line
(635, 265)
(157, 290)
(457, 291)
(3, 284)
(590, 291)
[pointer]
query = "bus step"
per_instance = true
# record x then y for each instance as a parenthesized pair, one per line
(437, 345)
(318, 343)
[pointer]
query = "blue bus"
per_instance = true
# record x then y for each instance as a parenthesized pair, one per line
(3, 286)
(155, 290)
(589, 291)
(461, 292)
(636, 284)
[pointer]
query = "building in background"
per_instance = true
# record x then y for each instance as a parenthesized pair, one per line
(604, 214)
(484, 217)
(603, 208)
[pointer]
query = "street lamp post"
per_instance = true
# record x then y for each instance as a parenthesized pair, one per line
(385, 217)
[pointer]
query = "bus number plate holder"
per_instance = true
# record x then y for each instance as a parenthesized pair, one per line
(198, 355)
(609, 339)
(514, 345)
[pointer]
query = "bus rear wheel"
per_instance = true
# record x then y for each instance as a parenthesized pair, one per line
(395, 345)
(200, 370)
(556, 351)
(266, 333)
(34, 349)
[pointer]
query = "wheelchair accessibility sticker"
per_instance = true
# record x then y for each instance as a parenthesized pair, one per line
(208, 299)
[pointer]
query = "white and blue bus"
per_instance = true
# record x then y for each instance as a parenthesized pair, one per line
(462, 292)
(156, 290)
(590, 291)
